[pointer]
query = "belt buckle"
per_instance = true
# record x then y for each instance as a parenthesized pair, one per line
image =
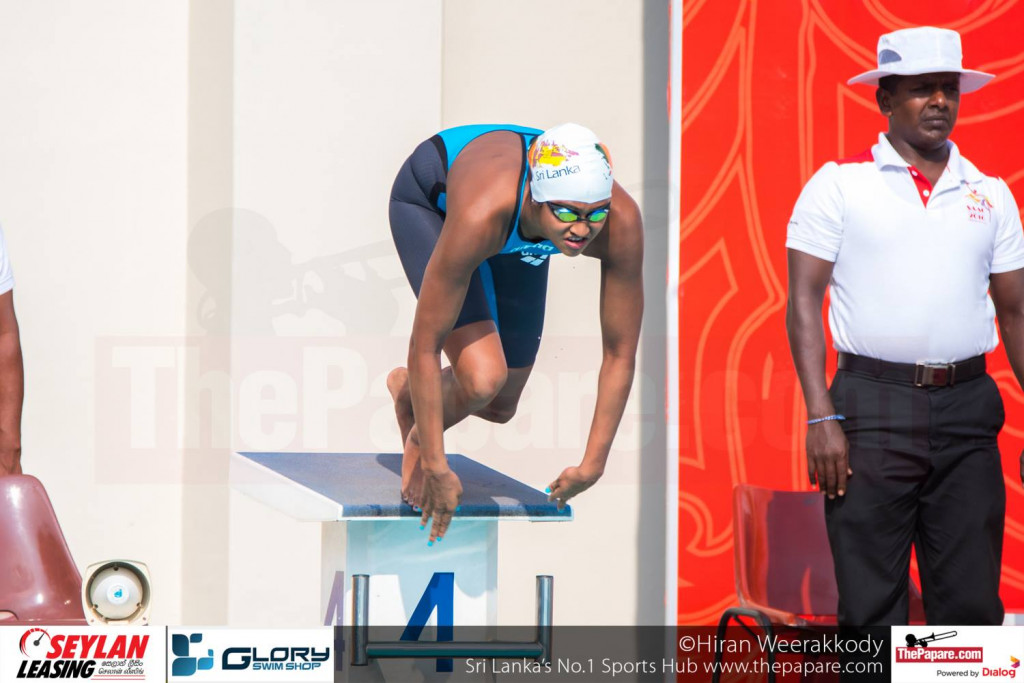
(934, 374)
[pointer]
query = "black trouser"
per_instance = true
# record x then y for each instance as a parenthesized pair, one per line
(927, 472)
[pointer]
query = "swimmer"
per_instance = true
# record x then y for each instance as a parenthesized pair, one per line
(476, 212)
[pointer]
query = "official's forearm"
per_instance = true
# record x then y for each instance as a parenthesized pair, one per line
(613, 386)
(12, 390)
(805, 329)
(1011, 328)
(425, 389)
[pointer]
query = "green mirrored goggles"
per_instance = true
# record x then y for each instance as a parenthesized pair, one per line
(567, 215)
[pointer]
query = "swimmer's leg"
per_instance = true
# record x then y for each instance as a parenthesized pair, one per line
(503, 407)
(475, 378)
(398, 386)
(473, 346)
(520, 292)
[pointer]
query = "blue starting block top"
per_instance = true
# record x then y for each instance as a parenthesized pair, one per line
(352, 486)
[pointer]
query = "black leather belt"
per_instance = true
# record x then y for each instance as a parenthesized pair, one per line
(919, 374)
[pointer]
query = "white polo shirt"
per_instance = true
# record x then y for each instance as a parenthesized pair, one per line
(912, 262)
(6, 274)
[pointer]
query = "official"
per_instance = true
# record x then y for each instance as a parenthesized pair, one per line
(912, 238)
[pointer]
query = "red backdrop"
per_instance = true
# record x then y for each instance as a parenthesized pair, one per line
(764, 104)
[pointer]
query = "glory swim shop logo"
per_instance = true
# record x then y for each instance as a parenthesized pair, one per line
(274, 659)
(184, 664)
(252, 655)
(93, 656)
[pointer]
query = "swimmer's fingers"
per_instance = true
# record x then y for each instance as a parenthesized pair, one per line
(441, 522)
(442, 492)
(571, 482)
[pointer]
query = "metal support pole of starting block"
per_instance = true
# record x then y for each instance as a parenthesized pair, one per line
(364, 649)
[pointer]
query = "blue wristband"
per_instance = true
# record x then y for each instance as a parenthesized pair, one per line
(826, 419)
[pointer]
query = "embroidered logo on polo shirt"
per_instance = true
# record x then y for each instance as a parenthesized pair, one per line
(979, 207)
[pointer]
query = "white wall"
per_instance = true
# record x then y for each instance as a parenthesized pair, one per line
(92, 200)
(327, 106)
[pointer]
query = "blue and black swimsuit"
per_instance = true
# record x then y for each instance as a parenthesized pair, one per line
(509, 287)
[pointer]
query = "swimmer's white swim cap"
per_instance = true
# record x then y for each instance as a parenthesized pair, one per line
(569, 163)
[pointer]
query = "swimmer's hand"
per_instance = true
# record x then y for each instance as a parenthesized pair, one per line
(442, 492)
(572, 481)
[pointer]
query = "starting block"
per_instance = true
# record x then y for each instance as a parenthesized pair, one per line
(368, 530)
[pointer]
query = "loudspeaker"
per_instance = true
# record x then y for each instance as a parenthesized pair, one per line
(116, 592)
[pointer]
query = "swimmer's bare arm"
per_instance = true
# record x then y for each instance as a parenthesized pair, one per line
(620, 247)
(445, 282)
(472, 232)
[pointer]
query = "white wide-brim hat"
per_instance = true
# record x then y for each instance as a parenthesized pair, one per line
(922, 50)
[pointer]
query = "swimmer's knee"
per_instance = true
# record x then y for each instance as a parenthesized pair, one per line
(480, 387)
(499, 414)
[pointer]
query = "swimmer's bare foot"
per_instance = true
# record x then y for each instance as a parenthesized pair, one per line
(398, 385)
(412, 472)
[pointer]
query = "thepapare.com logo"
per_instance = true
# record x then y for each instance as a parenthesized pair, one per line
(192, 656)
(60, 655)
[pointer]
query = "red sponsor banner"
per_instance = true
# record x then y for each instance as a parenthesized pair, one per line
(764, 103)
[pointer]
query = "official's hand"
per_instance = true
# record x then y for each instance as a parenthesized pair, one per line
(571, 481)
(442, 492)
(1022, 467)
(828, 458)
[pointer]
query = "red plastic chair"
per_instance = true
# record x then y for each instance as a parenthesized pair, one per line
(39, 580)
(785, 577)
